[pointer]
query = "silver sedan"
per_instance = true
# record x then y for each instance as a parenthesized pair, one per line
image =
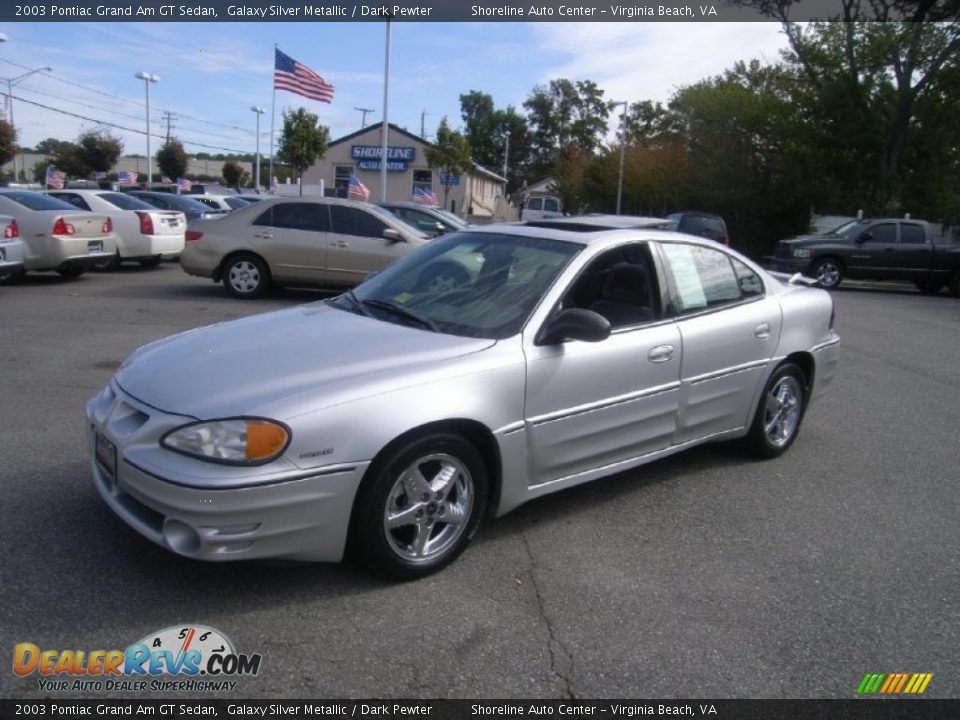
(393, 419)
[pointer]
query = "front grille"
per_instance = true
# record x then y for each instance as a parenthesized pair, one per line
(781, 251)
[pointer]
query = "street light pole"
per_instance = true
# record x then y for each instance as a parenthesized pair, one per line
(506, 153)
(147, 79)
(623, 145)
(259, 111)
(10, 83)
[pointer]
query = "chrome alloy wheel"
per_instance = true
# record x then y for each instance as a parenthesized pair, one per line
(783, 407)
(428, 508)
(828, 274)
(244, 276)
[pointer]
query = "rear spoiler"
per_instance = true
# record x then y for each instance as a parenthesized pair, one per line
(795, 279)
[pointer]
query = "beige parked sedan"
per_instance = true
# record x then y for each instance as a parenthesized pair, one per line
(315, 241)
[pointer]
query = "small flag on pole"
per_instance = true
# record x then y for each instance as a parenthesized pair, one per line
(295, 77)
(357, 190)
(184, 184)
(54, 178)
(425, 197)
(99, 175)
(127, 177)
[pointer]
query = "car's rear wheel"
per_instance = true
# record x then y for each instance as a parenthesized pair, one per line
(151, 261)
(71, 272)
(828, 272)
(780, 412)
(419, 506)
(245, 276)
(955, 284)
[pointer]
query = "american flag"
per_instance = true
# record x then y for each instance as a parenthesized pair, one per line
(275, 186)
(424, 196)
(54, 178)
(357, 189)
(127, 177)
(297, 78)
(165, 179)
(184, 185)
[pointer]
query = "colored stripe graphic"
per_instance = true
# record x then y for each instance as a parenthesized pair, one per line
(870, 683)
(894, 683)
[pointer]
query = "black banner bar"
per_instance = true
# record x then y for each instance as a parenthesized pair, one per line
(408, 11)
(863, 709)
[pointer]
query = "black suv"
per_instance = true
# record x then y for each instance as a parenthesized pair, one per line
(701, 224)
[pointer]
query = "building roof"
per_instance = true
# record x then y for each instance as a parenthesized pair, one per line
(375, 126)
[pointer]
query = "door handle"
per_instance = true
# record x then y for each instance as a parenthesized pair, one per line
(762, 330)
(264, 235)
(661, 353)
(340, 244)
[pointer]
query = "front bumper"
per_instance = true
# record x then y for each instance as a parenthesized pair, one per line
(790, 265)
(825, 357)
(236, 513)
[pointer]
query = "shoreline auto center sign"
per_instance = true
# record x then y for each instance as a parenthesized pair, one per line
(368, 157)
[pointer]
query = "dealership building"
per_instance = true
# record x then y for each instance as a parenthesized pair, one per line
(477, 195)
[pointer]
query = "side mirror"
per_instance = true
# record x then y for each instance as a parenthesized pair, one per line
(393, 235)
(574, 324)
(864, 237)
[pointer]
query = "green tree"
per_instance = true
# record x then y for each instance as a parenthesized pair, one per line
(450, 154)
(303, 141)
(171, 159)
(485, 128)
(69, 157)
(99, 149)
(8, 142)
(233, 174)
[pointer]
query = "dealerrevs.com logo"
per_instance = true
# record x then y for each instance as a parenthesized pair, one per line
(196, 657)
(894, 683)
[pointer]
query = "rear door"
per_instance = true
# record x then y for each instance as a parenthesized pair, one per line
(292, 238)
(915, 251)
(356, 246)
(729, 330)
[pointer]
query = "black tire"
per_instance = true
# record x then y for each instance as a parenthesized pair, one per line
(71, 272)
(764, 439)
(828, 272)
(442, 276)
(459, 489)
(955, 284)
(245, 276)
(110, 264)
(12, 277)
(150, 261)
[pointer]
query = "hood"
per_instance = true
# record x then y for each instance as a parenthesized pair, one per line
(236, 367)
(803, 239)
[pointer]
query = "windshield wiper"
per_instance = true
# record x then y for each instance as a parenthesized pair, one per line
(355, 302)
(401, 312)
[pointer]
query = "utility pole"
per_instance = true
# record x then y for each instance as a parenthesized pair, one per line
(363, 121)
(423, 134)
(168, 116)
(623, 146)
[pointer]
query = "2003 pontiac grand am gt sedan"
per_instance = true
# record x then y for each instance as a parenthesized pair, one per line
(392, 419)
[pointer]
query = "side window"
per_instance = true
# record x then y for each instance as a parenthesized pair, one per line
(618, 284)
(535, 203)
(354, 221)
(750, 283)
(883, 233)
(551, 205)
(75, 200)
(311, 217)
(703, 278)
(912, 234)
(159, 202)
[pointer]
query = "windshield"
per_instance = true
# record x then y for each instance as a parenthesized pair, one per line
(125, 202)
(451, 218)
(845, 228)
(36, 201)
(482, 285)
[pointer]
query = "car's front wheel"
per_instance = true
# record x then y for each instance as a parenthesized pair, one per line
(246, 276)
(828, 272)
(778, 416)
(418, 506)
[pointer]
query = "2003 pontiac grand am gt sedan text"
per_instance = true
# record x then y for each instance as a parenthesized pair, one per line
(390, 420)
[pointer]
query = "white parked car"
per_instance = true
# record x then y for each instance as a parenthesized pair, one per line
(144, 233)
(227, 203)
(57, 236)
(11, 248)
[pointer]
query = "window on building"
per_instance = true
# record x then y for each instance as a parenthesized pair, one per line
(422, 180)
(341, 180)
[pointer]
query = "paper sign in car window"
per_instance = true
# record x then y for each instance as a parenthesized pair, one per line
(683, 267)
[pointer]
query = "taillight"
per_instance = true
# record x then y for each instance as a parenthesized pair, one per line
(107, 227)
(11, 231)
(193, 235)
(62, 227)
(146, 222)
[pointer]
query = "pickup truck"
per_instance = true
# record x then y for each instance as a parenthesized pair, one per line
(879, 249)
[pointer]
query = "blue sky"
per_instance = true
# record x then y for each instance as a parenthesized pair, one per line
(211, 73)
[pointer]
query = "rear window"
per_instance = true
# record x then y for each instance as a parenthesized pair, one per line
(125, 202)
(36, 201)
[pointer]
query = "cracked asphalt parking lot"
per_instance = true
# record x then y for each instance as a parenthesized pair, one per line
(703, 575)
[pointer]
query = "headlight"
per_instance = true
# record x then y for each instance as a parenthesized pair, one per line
(802, 252)
(232, 441)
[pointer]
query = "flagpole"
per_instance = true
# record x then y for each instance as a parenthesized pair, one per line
(385, 130)
(273, 105)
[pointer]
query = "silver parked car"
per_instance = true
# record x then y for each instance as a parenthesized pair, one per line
(57, 236)
(296, 241)
(11, 248)
(394, 418)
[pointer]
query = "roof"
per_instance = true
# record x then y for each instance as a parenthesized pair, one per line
(591, 237)
(489, 173)
(596, 221)
(373, 126)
